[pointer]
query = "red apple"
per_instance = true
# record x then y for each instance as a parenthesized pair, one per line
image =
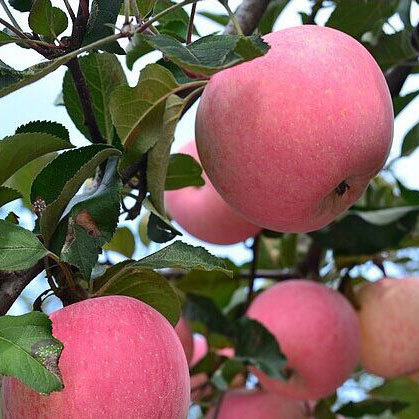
(184, 333)
(317, 330)
(200, 348)
(121, 359)
(291, 139)
(389, 318)
(204, 214)
(255, 404)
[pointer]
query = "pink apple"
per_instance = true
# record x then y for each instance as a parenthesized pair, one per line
(200, 348)
(184, 333)
(317, 330)
(121, 359)
(204, 214)
(256, 404)
(291, 139)
(389, 318)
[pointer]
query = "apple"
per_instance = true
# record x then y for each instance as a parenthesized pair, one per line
(291, 139)
(389, 319)
(121, 359)
(184, 333)
(317, 330)
(204, 214)
(256, 404)
(200, 348)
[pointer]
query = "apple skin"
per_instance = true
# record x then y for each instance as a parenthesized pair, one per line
(200, 348)
(121, 359)
(317, 330)
(279, 134)
(389, 313)
(184, 333)
(204, 214)
(256, 404)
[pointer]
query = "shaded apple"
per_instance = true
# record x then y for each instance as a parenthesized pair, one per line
(121, 359)
(389, 319)
(204, 214)
(317, 330)
(184, 333)
(291, 139)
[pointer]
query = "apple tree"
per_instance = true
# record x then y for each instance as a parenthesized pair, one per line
(275, 336)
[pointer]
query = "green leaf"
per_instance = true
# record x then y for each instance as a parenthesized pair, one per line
(122, 242)
(103, 73)
(270, 16)
(184, 256)
(147, 286)
(409, 195)
(12, 218)
(19, 149)
(183, 171)
(8, 195)
(142, 230)
(144, 7)
(257, 346)
(58, 182)
(224, 375)
(400, 102)
(136, 48)
(102, 17)
(371, 407)
(138, 112)
(29, 352)
(19, 248)
(46, 127)
(174, 23)
(21, 5)
(411, 141)
(92, 221)
(359, 16)
(158, 155)
(220, 19)
(5, 38)
(209, 54)
(323, 410)
(47, 20)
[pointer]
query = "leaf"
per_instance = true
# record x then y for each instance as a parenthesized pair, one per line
(220, 19)
(359, 16)
(47, 20)
(184, 256)
(224, 375)
(46, 127)
(183, 171)
(8, 195)
(174, 23)
(29, 352)
(19, 248)
(257, 346)
(158, 155)
(122, 242)
(144, 7)
(92, 221)
(323, 410)
(58, 182)
(19, 149)
(400, 102)
(103, 73)
(136, 48)
(142, 230)
(138, 112)
(384, 216)
(409, 195)
(411, 141)
(102, 17)
(147, 286)
(209, 54)
(21, 5)
(272, 12)
(371, 407)
(5, 38)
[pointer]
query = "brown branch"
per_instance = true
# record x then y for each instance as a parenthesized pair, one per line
(312, 16)
(80, 24)
(311, 263)
(252, 276)
(248, 14)
(86, 101)
(13, 283)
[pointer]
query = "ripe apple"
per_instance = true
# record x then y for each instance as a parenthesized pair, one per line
(389, 319)
(121, 359)
(204, 214)
(318, 332)
(200, 348)
(184, 333)
(256, 404)
(291, 139)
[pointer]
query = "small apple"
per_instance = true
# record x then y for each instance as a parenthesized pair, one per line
(318, 332)
(204, 214)
(184, 333)
(291, 139)
(389, 319)
(200, 348)
(121, 359)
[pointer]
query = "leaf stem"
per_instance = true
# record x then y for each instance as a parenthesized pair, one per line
(233, 18)
(65, 270)
(136, 12)
(10, 15)
(190, 26)
(253, 267)
(127, 11)
(70, 11)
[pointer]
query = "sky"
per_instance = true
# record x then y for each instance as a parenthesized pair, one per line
(36, 102)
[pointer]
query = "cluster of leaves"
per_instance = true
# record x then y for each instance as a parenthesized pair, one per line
(76, 193)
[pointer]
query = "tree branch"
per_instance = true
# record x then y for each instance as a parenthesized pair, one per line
(80, 24)
(311, 263)
(13, 283)
(253, 267)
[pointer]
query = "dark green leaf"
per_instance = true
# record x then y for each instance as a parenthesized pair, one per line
(403, 10)
(183, 171)
(411, 141)
(29, 352)
(270, 16)
(220, 19)
(323, 410)
(5, 38)
(257, 346)
(144, 7)
(175, 22)
(371, 407)
(12, 218)
(21, 5)
(184, 256)
(103, 13)
(19, 149)
(19, 248)
(47, 20)
(8, 195)
(136, 48)
(409, 195)
(400, 102)
(122, 242)
(46, 127)
(226, 373)
(147, 286)
(103, 73)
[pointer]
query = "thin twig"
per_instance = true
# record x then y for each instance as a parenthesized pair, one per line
(233, 18)
(134, 7)
(219, 403)
(127, 11)
(10, 15)
(190, 26)
(70, 11)
(16, 31)
(80, 24)
(311, 19)
(253, 267)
